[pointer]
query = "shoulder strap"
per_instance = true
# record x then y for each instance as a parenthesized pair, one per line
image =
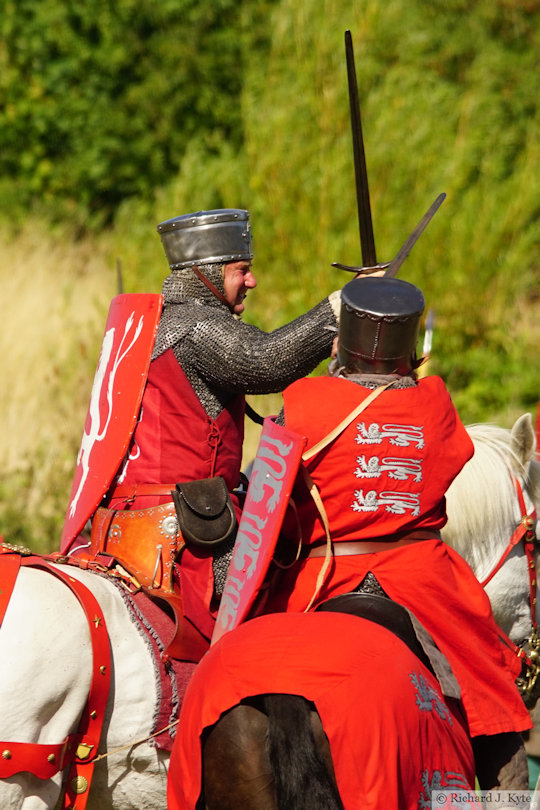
(314, 492)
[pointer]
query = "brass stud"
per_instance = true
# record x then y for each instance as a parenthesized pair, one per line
(103, 669)
(79, 784)
(93, 714)
(51, 758)
(6, 754)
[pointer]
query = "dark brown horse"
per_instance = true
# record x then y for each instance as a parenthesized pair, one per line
(269, 752)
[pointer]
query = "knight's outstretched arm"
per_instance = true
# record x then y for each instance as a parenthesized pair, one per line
(237, 357)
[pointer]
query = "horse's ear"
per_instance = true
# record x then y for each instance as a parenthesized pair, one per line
(523, 439)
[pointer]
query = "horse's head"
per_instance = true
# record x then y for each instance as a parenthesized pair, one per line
(526, 465)
(525, 447)
(484, 511)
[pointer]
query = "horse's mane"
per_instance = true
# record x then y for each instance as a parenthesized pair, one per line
(481, 503)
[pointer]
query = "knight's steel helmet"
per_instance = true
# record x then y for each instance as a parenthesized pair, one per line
(222, 235)
(379, 325)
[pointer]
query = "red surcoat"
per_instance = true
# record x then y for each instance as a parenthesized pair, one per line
(390, 468)
(412, 432)
(174, 441)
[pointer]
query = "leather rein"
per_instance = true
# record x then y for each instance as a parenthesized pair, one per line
(525, 531)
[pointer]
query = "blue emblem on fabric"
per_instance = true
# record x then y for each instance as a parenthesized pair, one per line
(444, 781)
(427, 699)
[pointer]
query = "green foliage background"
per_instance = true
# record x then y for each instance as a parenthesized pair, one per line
(115, 116)
(100, 98)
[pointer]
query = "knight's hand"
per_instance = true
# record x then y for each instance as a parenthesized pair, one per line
(371, 275)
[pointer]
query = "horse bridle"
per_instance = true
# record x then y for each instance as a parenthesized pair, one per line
(530, 657)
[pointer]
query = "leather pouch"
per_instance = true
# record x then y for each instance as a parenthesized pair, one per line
(205, 513)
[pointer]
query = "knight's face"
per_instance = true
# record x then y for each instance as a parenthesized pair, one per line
(237, 280)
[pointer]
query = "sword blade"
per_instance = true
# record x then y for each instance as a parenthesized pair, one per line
(428, 334)
(367, 240)
(402, 254)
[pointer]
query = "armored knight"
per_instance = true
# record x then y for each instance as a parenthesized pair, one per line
(382, 448)
(188, 422)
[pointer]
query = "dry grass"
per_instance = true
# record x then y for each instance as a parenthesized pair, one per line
(55, 295)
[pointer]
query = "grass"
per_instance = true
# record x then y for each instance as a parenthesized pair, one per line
(55, 295)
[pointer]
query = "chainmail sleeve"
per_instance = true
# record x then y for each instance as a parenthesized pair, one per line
(222, 356)
(238, 357)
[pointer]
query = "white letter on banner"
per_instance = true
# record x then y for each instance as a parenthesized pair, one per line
(245, 548)
(265, 475)
(230, 601)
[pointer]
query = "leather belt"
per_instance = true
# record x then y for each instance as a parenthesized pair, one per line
(130, 491)
(351, 547)
(144, 541)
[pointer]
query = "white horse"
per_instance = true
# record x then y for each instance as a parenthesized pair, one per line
(46, 657)
(45, 671)
(483, 512)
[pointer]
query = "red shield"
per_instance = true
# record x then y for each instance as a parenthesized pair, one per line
(114, 404)
(274, 472)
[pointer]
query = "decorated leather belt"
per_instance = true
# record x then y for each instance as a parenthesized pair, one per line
(348, 548)
(146, 541)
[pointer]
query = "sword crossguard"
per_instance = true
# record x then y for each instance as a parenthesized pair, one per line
(363, 270)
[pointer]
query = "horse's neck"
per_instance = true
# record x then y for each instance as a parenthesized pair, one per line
(483, 512)
(481, 503)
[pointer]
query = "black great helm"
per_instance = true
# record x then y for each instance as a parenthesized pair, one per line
(379, 325)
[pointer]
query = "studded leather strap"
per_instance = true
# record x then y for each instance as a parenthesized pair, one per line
(79, 749)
